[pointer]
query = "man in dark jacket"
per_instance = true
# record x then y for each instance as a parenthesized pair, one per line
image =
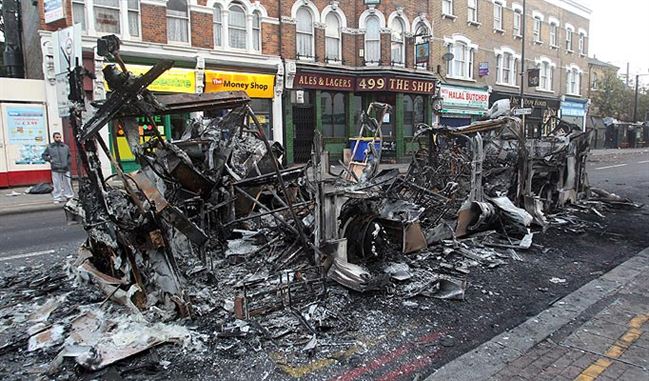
(58, 154)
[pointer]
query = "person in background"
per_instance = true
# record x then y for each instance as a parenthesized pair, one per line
(58, 155)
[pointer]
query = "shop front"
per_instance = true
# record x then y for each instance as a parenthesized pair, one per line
(173, 81)
(259, 87)
(331, 102)
(574, 110)
(462, 105)
(541, 120)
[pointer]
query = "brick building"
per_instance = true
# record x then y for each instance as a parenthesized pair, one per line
(314, 64)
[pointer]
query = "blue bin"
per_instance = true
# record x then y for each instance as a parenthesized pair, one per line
(363, 144)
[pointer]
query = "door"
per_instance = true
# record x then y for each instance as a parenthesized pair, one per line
(304, 122)
(4, 177)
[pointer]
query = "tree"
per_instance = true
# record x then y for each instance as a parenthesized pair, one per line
(612, 98)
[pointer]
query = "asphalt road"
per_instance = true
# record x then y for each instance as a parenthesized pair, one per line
(37, 237)
(626, 174)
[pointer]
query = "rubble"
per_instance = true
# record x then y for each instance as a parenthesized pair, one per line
(213, 226)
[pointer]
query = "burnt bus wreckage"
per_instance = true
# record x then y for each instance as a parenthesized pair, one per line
(214, 220)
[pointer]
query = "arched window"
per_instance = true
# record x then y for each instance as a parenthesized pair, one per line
(398, 30)
(422, 34)
(256, 31)
(177, 21)
(332, 37)
(237, 27)
(217, 19)
(461, 66)
(372, 39)
(304, 33)
(573, 82)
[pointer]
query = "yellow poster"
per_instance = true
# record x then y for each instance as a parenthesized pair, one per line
(255, 85)
(174, 80)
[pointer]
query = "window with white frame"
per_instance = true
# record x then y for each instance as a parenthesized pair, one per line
(553, 34)
(593, 82)
(422, 34)
(447, 7)
(573, 81)
(461, 66)
(582, 43)
(79, 14)
(537, 29)
(332, 37)
(237, 29)
(372, 39)
(177, 21)
(397, 39)
(506, 69)
(545, 75)
(106, 13)
(569, 32)
(217, 20)
(517, 22)
(256, 31)
(473, 11)
(304, 33)
(498, 16)
(133, 7)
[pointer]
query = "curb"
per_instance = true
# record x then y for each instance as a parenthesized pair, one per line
(30, 208)
(489, 358)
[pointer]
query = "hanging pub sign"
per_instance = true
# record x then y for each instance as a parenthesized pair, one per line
(423, 52)
(533, 77)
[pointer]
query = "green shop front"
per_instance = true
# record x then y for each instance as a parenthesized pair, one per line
(331, 101)
(462, 105)
(175, 80)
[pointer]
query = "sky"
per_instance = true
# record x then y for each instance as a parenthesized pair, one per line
(619, 33)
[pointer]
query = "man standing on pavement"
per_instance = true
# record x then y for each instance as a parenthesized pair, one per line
(58, 154)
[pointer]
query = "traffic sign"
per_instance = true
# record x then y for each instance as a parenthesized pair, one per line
(523, 111)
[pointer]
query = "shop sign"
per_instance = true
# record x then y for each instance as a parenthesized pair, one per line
(459, 98)
(423, 52)
(27, 130)
(255, 85)
(323, 81)
(395, 84)
(483, 69)
(515, 101)
(53, 10)
(174, 80)
(573, 108)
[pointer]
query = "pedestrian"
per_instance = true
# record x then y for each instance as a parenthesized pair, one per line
(58, 155)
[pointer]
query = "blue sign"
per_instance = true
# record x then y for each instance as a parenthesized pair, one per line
(569, 108)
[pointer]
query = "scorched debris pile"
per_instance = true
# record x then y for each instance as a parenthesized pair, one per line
(214, 224)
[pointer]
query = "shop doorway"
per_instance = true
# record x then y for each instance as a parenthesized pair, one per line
(303, 120)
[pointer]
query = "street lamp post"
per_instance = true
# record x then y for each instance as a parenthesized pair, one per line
(523, 64)
(635, 99)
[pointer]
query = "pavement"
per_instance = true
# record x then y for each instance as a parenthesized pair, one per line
(599, 332)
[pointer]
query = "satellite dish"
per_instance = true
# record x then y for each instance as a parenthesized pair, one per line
(448, 56)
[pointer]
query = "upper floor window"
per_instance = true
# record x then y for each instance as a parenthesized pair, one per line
(177, 21)
(506, 69)
(106, 14)
(553, 34)
(573, 81)
(593, 82)
(304, 33)
(447, 7)
(537, 29)
(569, 32)
(133, 7)
(546, 72)
(498, 16)
(372, 39)
(473, 11)
(79, 14)
(256, 31)
(398, 31)
(517, 22)
(582, 43)
(237, 27)
(422, 34)
(332, 37)
(217, 19)
(461, 66)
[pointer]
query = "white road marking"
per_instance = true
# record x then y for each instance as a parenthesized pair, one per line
(28, 255)
(642, 162)
(612, 166)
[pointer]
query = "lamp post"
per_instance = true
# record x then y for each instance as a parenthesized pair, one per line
(635, 98)
(523, 63)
